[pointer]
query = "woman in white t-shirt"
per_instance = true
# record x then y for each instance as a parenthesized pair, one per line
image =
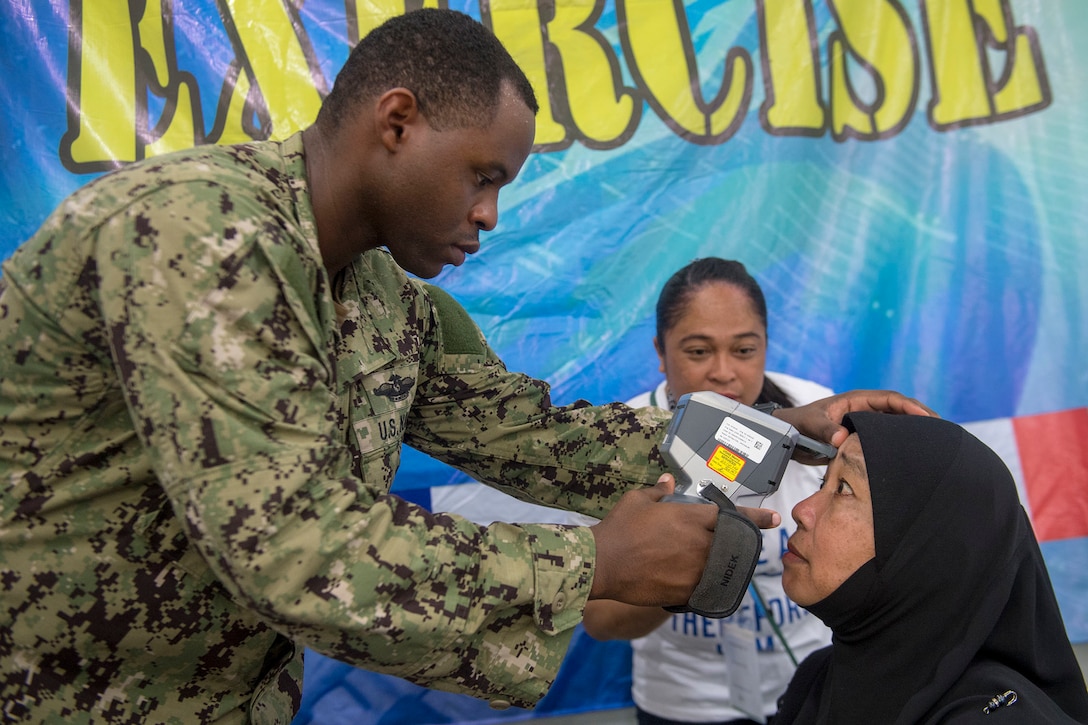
(712, 335)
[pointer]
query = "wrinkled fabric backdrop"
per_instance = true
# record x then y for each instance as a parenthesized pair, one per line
(905, 179)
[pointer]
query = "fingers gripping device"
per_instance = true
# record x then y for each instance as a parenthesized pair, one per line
(722, 451)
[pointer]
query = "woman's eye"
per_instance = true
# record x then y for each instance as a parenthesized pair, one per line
(844, 489)
(484, 180)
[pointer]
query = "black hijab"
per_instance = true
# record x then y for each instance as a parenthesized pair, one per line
(955, 609)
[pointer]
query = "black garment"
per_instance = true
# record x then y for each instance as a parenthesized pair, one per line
(956, 608)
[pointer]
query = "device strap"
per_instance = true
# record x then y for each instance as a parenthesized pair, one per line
(734, 553)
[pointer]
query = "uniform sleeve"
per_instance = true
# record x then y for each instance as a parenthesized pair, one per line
(502, 429)
(219, 339)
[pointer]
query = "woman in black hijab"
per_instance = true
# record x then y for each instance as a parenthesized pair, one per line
(919, 557)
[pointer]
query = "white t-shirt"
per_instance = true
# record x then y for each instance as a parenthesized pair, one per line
(680, 670)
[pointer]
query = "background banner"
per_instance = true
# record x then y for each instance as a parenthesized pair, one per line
(906, 179)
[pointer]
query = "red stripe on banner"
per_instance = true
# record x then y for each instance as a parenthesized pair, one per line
(1054, 457)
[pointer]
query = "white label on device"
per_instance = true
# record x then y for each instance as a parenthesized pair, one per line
(744, 441)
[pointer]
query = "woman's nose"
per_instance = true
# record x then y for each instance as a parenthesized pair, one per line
(804, 511)
(722, 370)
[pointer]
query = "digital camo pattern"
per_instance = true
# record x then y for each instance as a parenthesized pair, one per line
(196, 445)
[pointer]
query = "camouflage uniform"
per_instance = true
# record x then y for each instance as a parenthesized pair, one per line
(198, 431)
